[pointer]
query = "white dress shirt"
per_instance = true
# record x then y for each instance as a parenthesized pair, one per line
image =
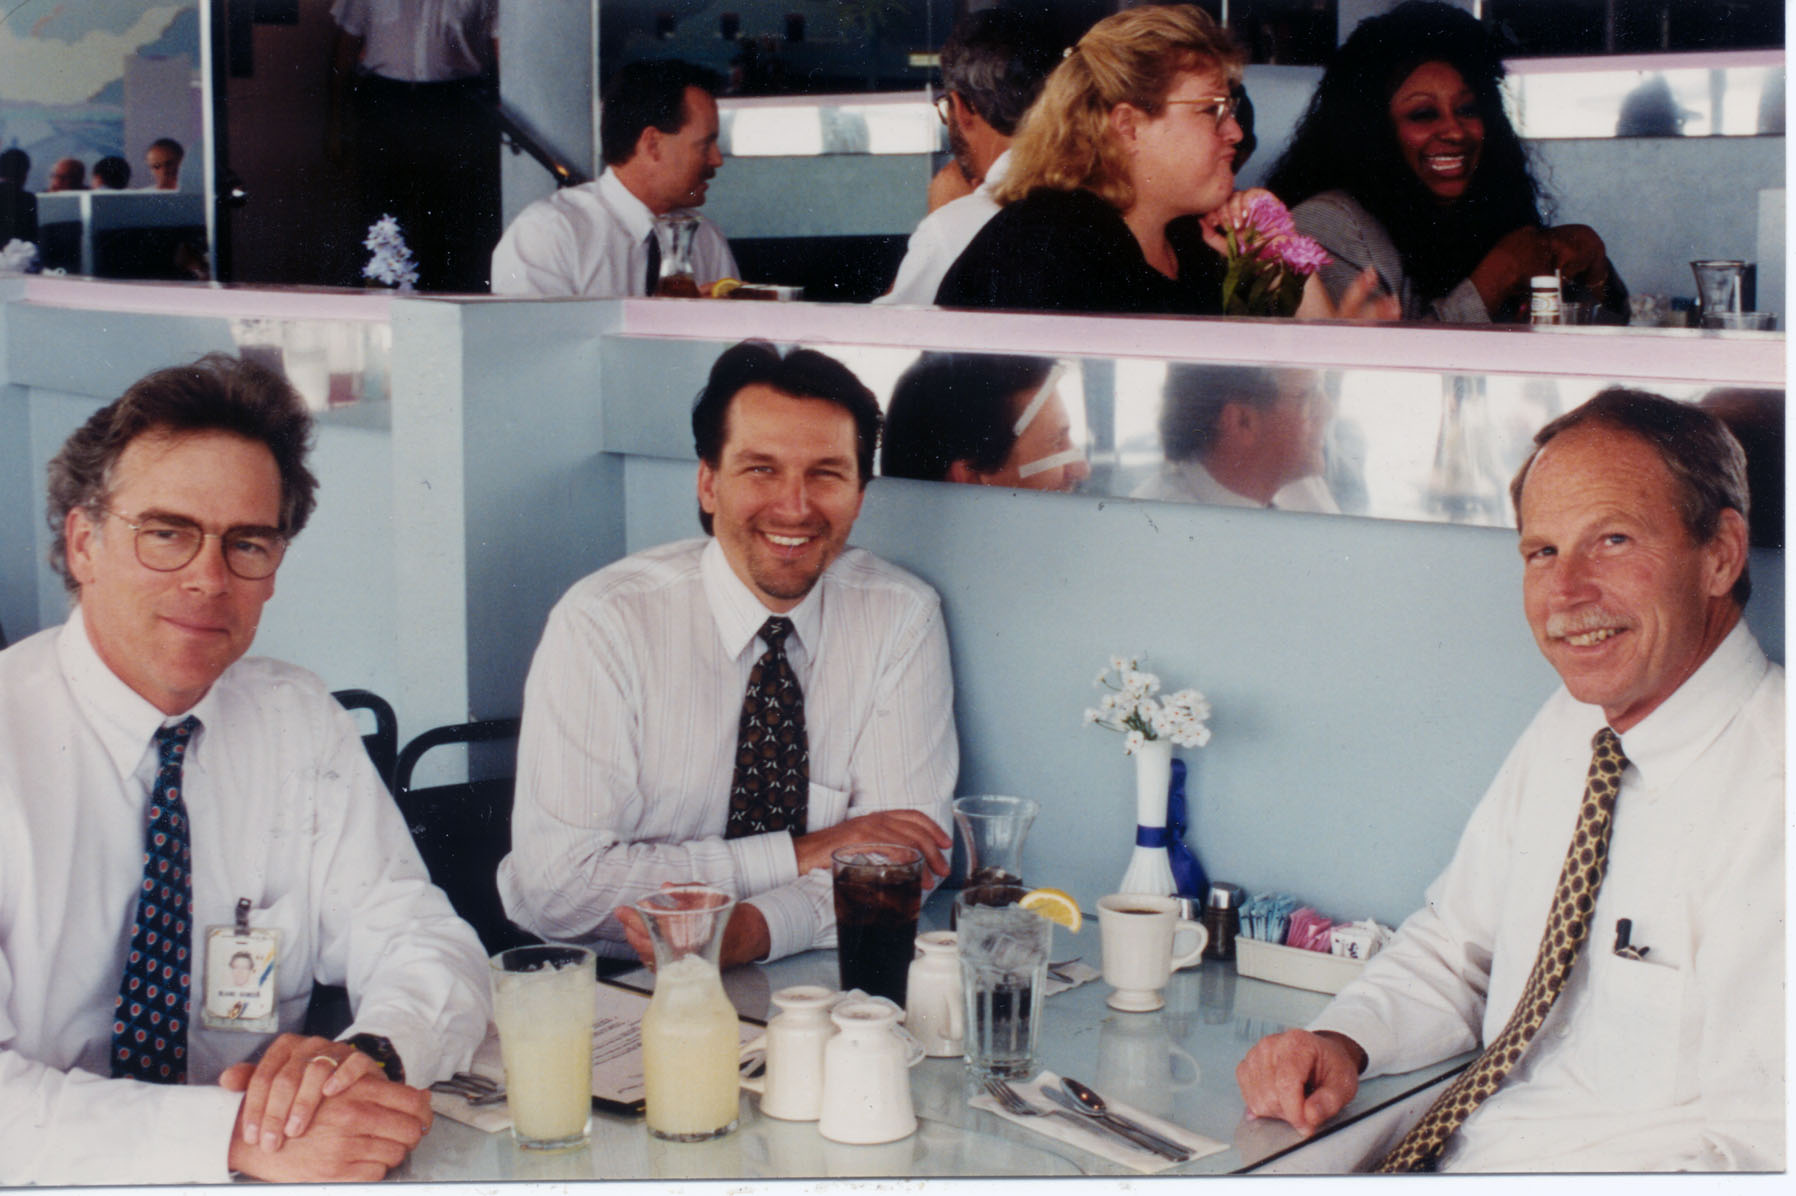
(629, 739)
(592, 240)
(421, 41)
(1673, 1062)
(1191, 481)
(942, 237)
(285, 810)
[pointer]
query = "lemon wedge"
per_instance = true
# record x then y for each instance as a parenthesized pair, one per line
(724, 286)
(1056, 905)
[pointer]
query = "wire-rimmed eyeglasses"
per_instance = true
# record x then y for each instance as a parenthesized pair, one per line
(166, 543)
(1221, 107)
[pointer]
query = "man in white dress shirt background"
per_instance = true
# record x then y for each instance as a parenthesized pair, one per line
(628, 759)
(658, 133)
(1664, 1048)
(993, 66)
(137, 735)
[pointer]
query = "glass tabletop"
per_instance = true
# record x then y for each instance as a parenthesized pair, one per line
(1177, 1063)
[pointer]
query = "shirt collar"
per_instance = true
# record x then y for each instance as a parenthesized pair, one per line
(740, 614)
(1665, 742)
(635, 216)
(124, 719)
(994, 174)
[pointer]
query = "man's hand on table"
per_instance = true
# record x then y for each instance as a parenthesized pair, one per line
(912, 828)
(1300, 1077)
(306, 1118)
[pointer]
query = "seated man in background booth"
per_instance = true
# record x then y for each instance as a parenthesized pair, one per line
(67, 174)
(983, 419)
(1644, 1029)
(112, 173)
(657, 675)
(658, 135)
(166, 805)
(1242, 436)
(164, 158)
(993, 66)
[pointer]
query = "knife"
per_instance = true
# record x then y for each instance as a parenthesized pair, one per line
(1128, 1131)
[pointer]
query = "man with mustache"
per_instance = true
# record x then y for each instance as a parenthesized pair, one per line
(1616, 957)
(658, 135)
(167, 804)
(733, 708)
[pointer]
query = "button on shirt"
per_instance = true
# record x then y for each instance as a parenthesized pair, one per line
(592, 240)
(285, 810)
(1673, 1062)
(629, 737)
(421, 41)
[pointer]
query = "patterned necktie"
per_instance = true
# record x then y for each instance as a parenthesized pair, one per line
(1568, 925)
(653, 274)
(772, 785)
(149, 1027)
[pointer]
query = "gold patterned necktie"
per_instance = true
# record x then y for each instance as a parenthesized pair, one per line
(1568, 925)
(771, 788)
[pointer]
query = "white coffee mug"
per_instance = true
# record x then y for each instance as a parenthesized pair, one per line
(791, 1087)
(934, 1011)
(1140, 936)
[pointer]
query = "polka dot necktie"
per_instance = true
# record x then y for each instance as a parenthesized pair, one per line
(149, 1026)
(1568, 925)
(771, 788)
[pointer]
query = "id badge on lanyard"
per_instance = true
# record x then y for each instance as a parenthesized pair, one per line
(241, 967)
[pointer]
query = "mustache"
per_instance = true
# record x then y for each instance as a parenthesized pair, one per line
(1578, 622)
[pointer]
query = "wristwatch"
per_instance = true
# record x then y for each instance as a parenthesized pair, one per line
(381, 1051)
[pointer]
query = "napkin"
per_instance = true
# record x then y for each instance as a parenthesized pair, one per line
(1092, 1137)
(1080, 973)
(491, 1118)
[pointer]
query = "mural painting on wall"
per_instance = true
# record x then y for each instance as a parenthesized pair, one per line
(91, 79)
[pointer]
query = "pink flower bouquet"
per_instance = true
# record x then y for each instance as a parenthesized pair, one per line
(1268, 262)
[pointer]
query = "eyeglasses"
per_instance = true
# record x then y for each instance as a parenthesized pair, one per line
(1221, 107)
(166, 543)
(940, 104)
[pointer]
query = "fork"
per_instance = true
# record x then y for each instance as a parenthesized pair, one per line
(475, 1089)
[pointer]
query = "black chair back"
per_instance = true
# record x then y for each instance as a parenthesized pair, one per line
(463, 830)
(383, 742)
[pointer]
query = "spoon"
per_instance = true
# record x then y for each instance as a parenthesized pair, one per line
(1095, 1105)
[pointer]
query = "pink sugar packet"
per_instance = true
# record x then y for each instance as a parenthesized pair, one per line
(1309, 930)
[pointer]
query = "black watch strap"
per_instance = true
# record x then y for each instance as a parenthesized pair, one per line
(381, 1051)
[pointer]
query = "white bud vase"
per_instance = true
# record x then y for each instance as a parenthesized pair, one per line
(1150, 868)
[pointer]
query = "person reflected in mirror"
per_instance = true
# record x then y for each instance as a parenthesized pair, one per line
(67, 174)
(1242, 436)
(158, 783)
(1609, 933)
(658, 135)
(1121, 182)
(164, 158)
(112, 173)
(982, 419)
(1405, 163)
(734, 708)
(413, 99)
(993, 66)
(18, 207)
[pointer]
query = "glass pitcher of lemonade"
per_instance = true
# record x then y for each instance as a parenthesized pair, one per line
(690, 1035)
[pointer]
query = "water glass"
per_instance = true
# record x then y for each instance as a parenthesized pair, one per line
(1003, 970)
(544, 999)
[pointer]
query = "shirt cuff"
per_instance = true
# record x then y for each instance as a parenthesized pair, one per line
(790, 920)
(763, 862)
(197, 1122)
(1372, 1035)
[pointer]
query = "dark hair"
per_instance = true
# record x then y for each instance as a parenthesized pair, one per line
(245, 956)
(1706, 463)
(169, 144)
(1347, 141)
(642, 94)
(15, 165)
(996, 61)
(113, 171)
(1194, 396)
(950, 407)
(801, 373)
(216, 393)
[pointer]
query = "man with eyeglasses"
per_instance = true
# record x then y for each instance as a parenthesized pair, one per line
(167, 805)
(993, 66)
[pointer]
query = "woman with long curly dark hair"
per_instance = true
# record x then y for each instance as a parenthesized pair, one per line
(1406, 162)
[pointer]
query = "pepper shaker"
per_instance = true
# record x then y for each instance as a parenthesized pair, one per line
(1222, 909)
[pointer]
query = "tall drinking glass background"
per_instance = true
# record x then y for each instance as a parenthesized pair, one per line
(544, 999)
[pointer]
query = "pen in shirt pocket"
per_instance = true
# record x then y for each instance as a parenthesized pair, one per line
(1624, 930)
